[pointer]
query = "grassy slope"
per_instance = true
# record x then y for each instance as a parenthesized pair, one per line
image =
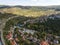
(27, 12)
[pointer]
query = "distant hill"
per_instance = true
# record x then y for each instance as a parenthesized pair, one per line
(28, 7)
(4, 6)
(30, 10)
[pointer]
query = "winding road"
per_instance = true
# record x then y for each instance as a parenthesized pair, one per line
(2, 25)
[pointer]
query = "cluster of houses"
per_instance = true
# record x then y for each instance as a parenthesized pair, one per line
(10, 38)
(13, 37)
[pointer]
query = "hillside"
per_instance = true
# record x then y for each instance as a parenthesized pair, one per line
(28, 11)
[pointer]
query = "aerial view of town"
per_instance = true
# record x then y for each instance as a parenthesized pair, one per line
(29, 22)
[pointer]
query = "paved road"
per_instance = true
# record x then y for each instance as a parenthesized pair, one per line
(0, 39)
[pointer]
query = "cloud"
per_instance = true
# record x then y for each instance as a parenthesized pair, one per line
(30, 2)
(34, 0)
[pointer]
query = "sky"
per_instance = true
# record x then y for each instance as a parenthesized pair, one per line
(30, 2)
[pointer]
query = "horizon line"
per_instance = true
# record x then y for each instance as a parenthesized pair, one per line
(28, 5)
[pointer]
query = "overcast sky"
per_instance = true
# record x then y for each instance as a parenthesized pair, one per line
(30, 2)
